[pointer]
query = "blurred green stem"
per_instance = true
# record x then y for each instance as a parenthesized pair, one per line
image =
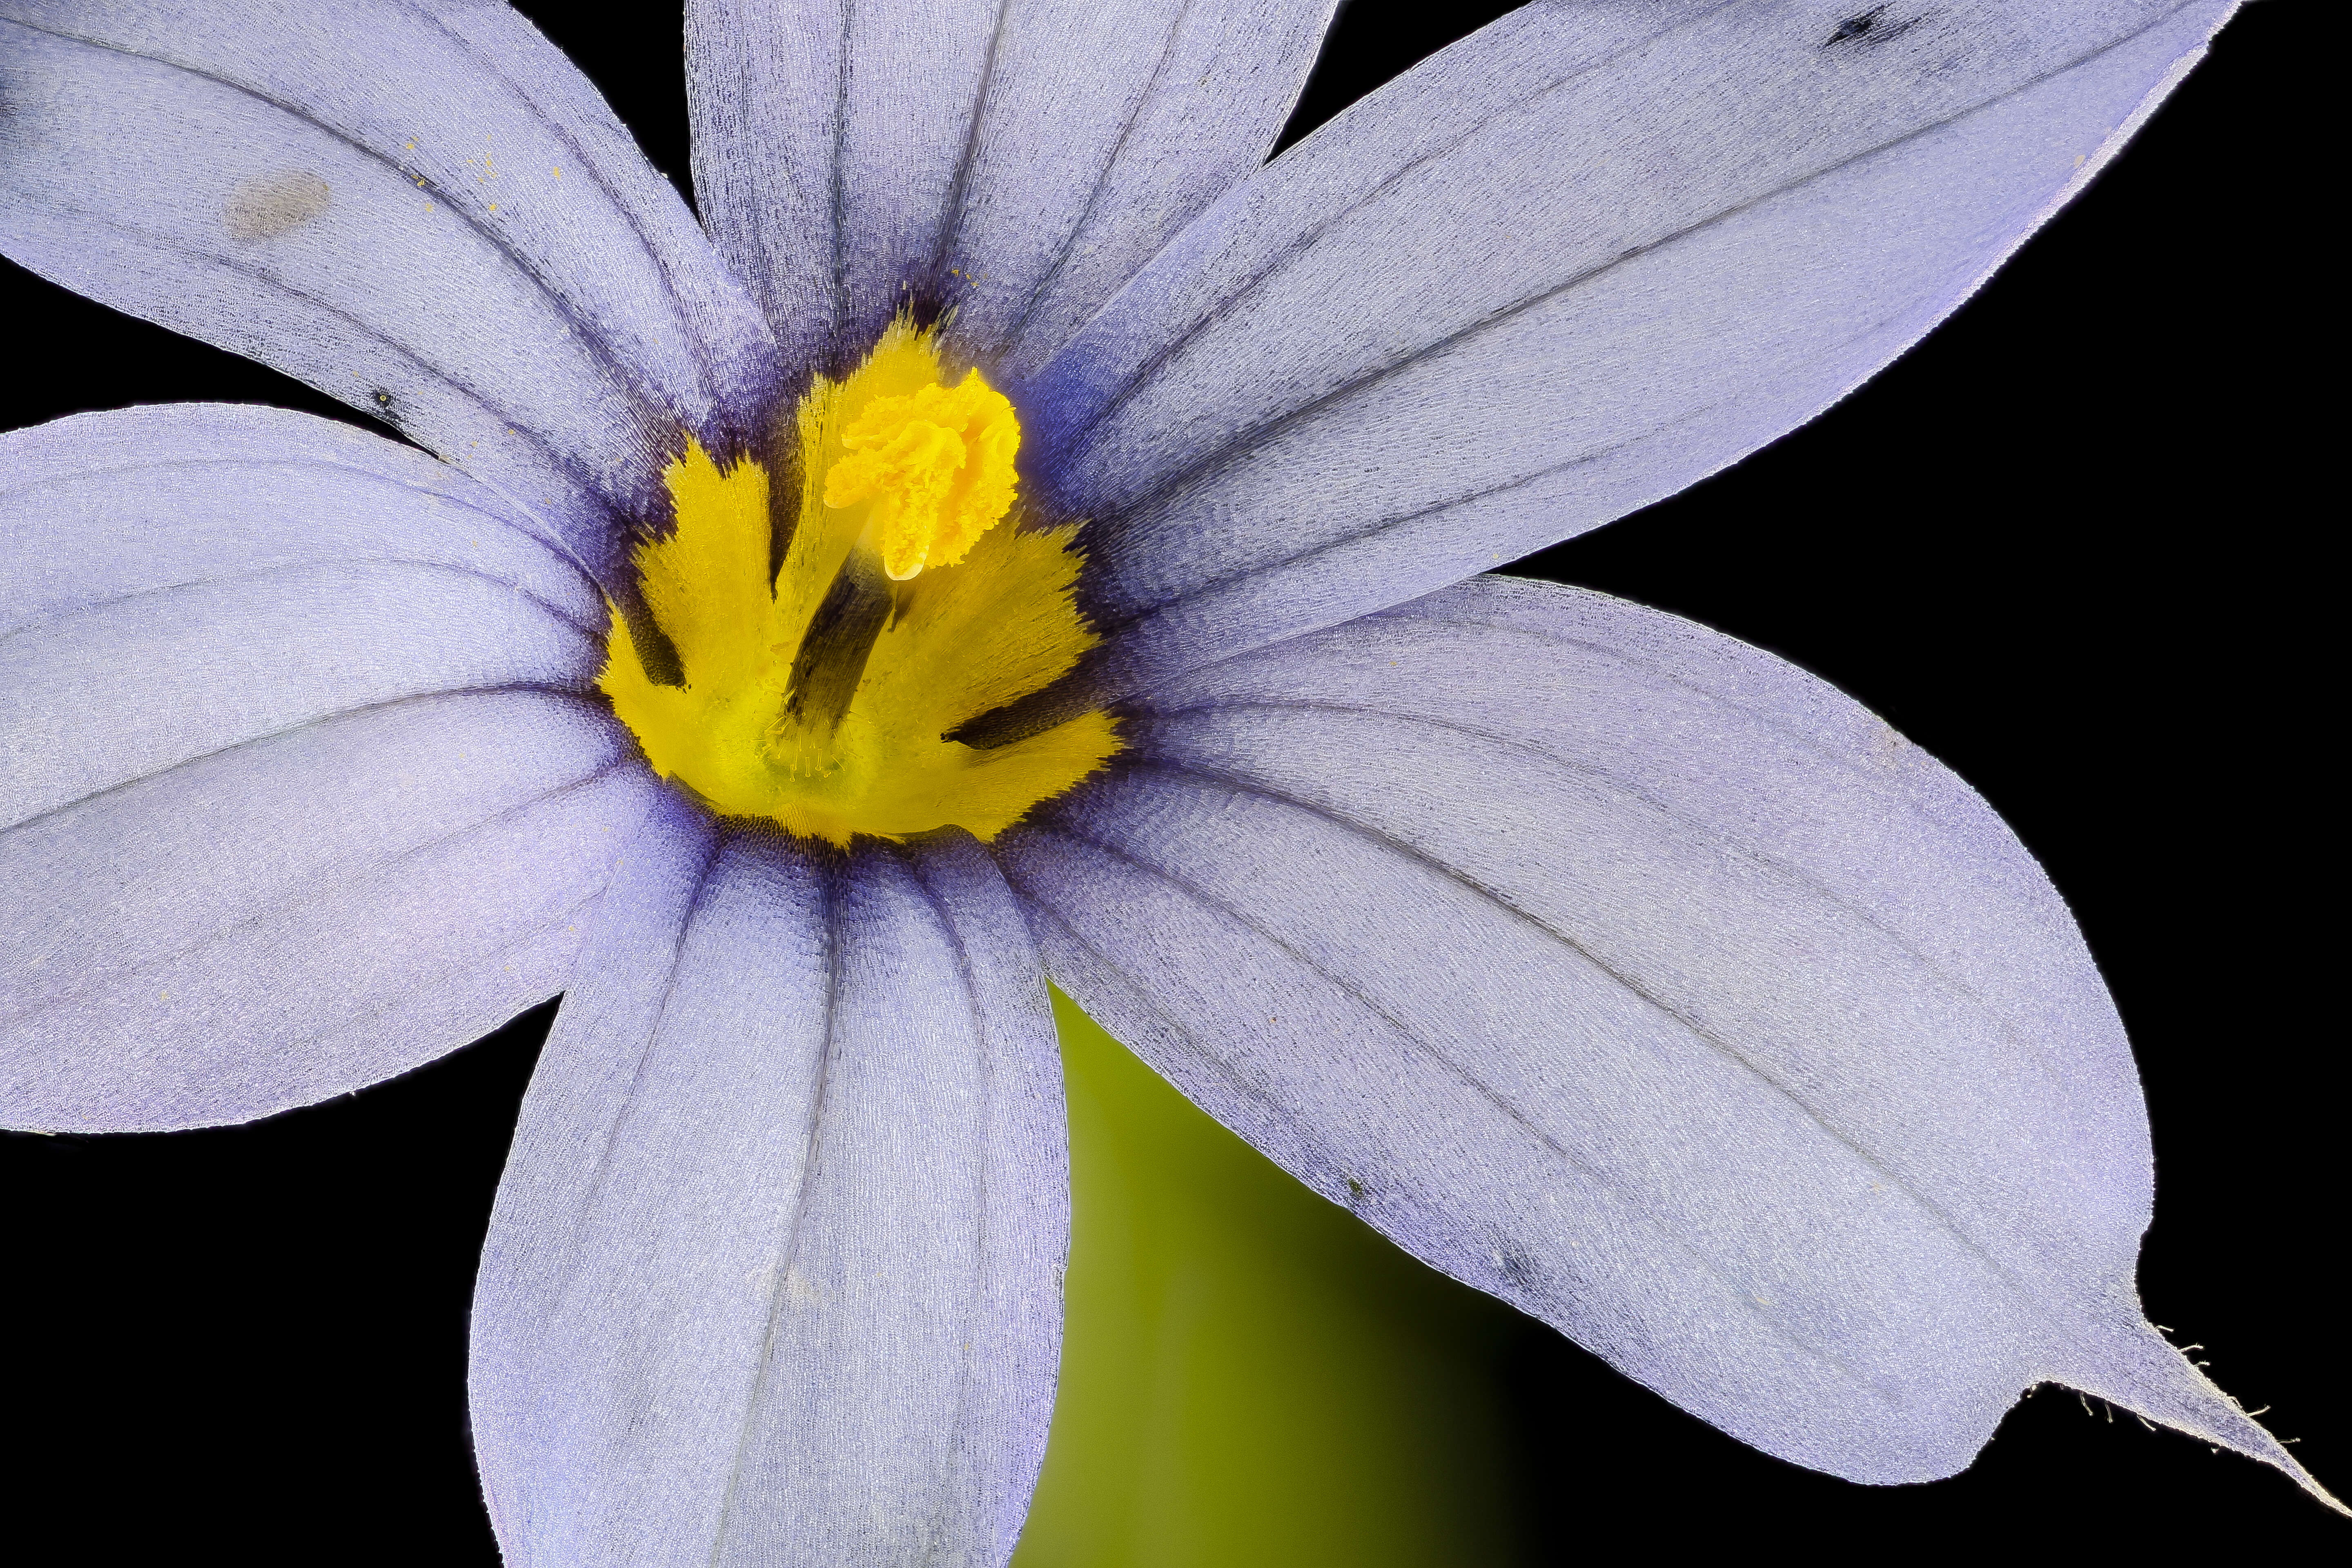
(1250, 1375)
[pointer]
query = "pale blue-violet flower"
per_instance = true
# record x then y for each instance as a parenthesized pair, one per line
(1032, 537)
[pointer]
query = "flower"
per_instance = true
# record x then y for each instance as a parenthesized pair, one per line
(1678, 1000)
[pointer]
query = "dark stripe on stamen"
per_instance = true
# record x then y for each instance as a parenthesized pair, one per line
(653, 645)
(840, 637)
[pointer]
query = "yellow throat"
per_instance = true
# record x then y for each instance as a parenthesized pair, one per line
(821, 700)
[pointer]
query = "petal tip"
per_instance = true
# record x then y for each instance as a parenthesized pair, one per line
(2127, 1362)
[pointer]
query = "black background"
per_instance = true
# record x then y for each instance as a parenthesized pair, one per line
(2067, 544)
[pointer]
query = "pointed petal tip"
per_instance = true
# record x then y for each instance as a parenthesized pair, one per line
(2128, 1362)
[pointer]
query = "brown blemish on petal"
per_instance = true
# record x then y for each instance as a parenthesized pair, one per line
(271, 204)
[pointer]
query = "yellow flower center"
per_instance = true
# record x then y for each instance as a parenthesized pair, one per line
(821, 697)
(938, 468)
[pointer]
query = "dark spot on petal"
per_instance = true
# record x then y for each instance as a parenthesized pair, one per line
(1519, 1269)
(272, 204)
(1355, 1191)
(1854, 27)
(1870, 28)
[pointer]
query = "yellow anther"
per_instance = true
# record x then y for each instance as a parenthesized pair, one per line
(938, 466)
(894, 461)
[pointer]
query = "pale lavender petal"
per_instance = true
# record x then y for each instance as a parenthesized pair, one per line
(101, 695)
(1012, 163)
(289, 920)
(774, 1273)
(303, 785)
(1557, 271)
(826, 141)
(1103, 131)
(134, 501)
(1637, 977)
(420, 209)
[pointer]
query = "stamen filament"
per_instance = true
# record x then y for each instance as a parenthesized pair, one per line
(831, 657)
(655, 648)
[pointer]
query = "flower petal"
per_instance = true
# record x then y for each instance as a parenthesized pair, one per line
(100, 507)
(775, 1274)
(1014, 163)
(208, 620)
(1559, 270)
(423, 211)
(300, 790)
(1636, 977)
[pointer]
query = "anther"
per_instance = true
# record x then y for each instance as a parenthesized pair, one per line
(935, 468)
